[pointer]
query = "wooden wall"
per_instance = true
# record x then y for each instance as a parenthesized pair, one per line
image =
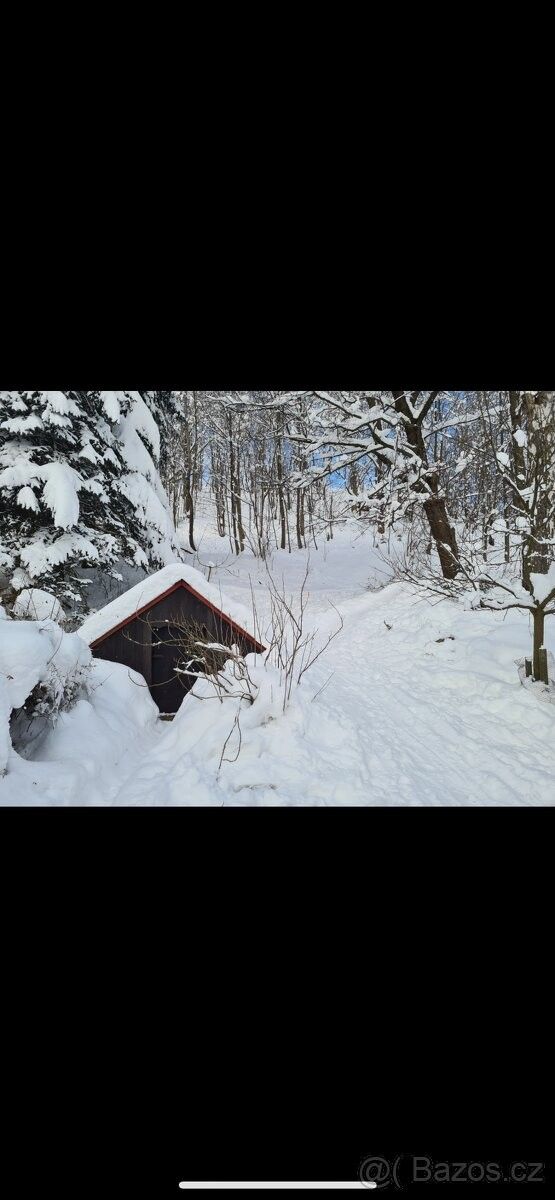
(132, 645)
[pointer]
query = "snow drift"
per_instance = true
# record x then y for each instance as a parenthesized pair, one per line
(41, 667)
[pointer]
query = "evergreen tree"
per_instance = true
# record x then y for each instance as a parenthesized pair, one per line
(141, 428)
(78, 489)
(168, 411)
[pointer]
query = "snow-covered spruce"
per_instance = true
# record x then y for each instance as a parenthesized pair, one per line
(80, 490)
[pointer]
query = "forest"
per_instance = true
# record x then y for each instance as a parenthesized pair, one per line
(353, 527)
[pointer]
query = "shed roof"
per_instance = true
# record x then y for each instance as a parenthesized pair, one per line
(155, 587)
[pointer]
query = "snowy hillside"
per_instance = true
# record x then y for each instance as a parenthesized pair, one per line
(415, 702)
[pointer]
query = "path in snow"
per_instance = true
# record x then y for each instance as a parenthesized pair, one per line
(425, 722)
(406, 719)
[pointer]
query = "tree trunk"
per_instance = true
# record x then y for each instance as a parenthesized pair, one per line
(232, 486)
(191, 511)
(281, 497)
(533, 467)
(235, 485)
(435, 507)
(538, 636)
(239, 511)
(300, 519)
(444, 536)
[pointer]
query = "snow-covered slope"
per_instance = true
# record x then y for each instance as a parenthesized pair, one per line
(415, 703)
(428, 712)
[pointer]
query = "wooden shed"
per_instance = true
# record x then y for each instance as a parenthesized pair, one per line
(143, 628)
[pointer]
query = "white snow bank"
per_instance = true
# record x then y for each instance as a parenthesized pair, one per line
(148, 590)
(218, 745)
(33, 652)
(38, 605)
(5, 741)
(29, 648)
(93, 746)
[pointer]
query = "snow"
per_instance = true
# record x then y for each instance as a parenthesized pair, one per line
(5, 742)
(20, 469)
(152, 512)
(83, 760)
(139, 443)
(59, 408)
(33, 652)
(24, 652)
(136, 427)
(29, 648)
(148, 590)
(543, 692)
(20, 579)
(38, 605)
(61, 485)
(464, 461)
(23, 424)
(415, 703)
(26, 499)
(543, 585)
(71, 465)
(43, 551)
(111, 402)
(60, 493)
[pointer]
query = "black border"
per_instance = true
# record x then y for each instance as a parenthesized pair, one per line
(268, 993)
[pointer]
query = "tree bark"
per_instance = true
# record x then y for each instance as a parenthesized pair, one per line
(280, 491)
(435, 507)
(539, 634)
(444, 536)
(190, 510)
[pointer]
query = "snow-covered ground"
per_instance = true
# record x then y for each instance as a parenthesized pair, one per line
(414, 703)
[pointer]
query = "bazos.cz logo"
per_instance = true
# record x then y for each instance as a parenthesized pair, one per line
(378, 1172)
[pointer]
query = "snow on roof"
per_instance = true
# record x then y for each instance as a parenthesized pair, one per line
(149, 590)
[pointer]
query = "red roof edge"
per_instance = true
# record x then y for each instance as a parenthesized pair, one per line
(151, 604)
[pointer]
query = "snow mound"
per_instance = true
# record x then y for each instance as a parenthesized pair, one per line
(37, 605)
(125, 607)
(83, 759)
(220, 742)
(32, 653)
